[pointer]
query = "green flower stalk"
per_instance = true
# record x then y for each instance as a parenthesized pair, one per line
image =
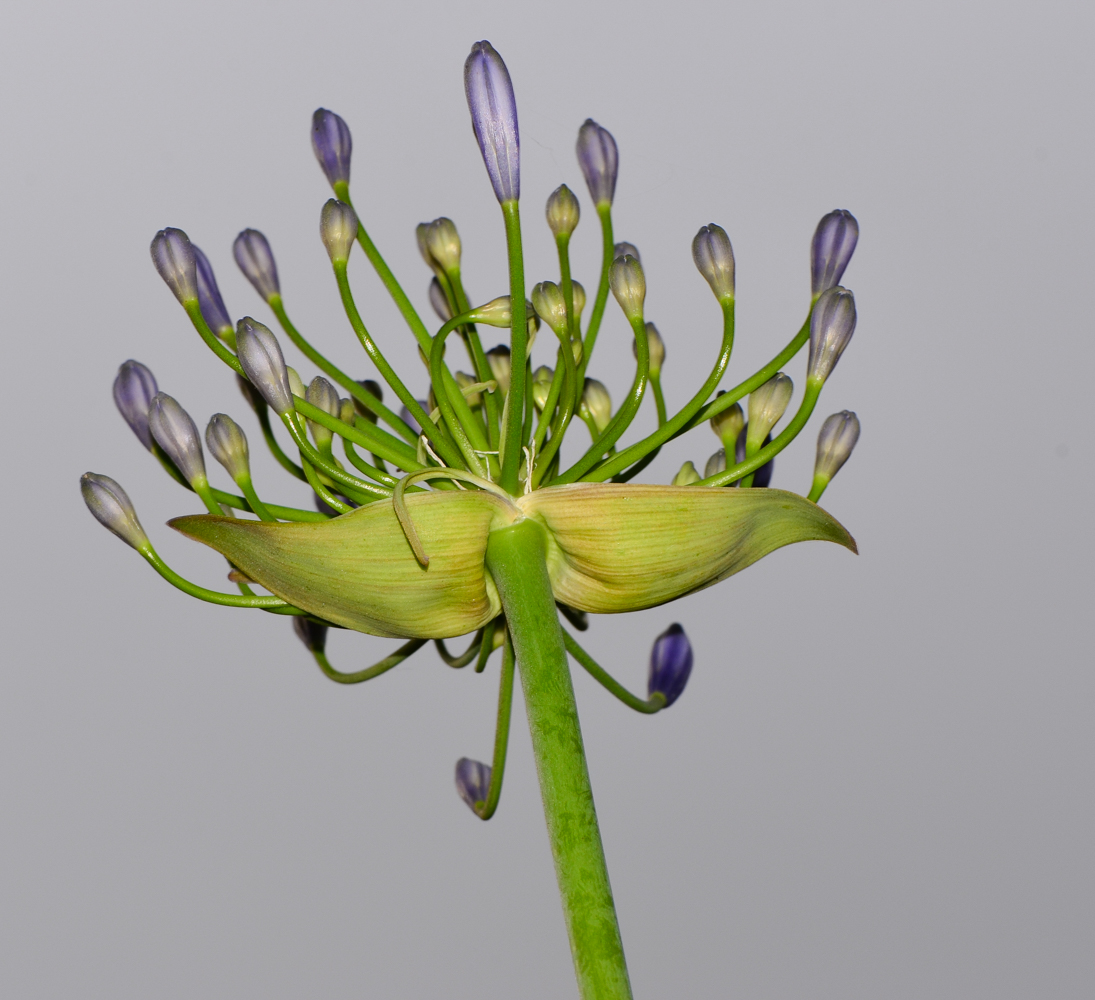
(463, 515)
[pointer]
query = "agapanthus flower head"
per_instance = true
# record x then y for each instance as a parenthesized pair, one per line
(670, 664)
(835, 441)
(831, 327)
(173, 256)
(714, 257)
(112, 508)
(256, 260)
(600, 161)
(134, 387)
(831, 250)
(338, 229)
(333, 145)
(228, 445)
(563, 211)
(494, 119)
(212, 304)
(656, 347)
(628, 284)
(176, 433)
(264, 365)
(472, 781)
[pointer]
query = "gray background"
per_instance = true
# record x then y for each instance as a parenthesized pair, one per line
(879, 781)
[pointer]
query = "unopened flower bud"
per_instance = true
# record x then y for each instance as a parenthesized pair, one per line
(579, 294)
(443, 244)
(767, 404)
(831, 327)
(464, 381)
(264, 365)
(832, 248)
(212, 305)
(622, 249)
(228, 445)
(373, 388)
(174, 259)
(499, 360)
(256, 261)
(595, 404)
(835, 442)
(600, 161)
(134, 387)
(338, 230)
(541, 386)
(108, 502)
(763, 476)
(472, 781)
(322, 395)
(497, 312)
(714, 259)
(628, 285)
(727, 425)
(494, 118)
(550, 306)
(176, 433)
(440, 301)
(562, 211)
(687, 475)
(656, 347)
(715, 464)
(312, 634)
(346, 412)
(333, 145)
(670, 664)
(296, 384)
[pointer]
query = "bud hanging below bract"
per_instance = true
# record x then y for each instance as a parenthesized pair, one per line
(831, 250)
(563, 211)
(715, 464)
(134, 387)
(256, 260)
(623, 249)
(835, 441)
(322, 395)
(831, 327)
(212, 304)
(264, 365)
(628, 285)
(112, 508)
(373, 388)
(600, 161)
(595, 404)
(499, 360)
(440, 301)
(442, 243)
(472, 781)
(312, 634)
(656, 347)
(551, 307)
(670, 664)
(174, 259)
(714, 258)
(228, 445)
(338, 229)
(333, 145)
(176, 433)
(686, 475)
(494, 118)
(767, 404)
(541, 386)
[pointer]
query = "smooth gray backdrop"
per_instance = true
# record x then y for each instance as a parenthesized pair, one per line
(879, 781)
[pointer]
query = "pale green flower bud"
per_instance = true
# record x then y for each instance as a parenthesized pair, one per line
(112, 508)
(728, 424)
(296, 383)
(541, 385)
(655, 345)
(714, 259)
(338, 229)
(550, 306)
(595, 404)
(442, 243)
(579, 294)
(767, 405)
(715, 464)
(687, 475)
(628, 285)
(499, 360)
(497, 312)
(562, 211)
(463, 379)
(321, 394)
(346, 411)
(228, 445)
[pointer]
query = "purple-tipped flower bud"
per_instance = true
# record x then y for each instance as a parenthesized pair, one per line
(134, 387)
(624, 248)
(264, 364)
(595, 404)
(670, 664)
(472, 781)
(562, 211)
(112, 508)
(228, 445)
(174, 259)
(256, 261)
(628, 285)
(209, 296)
(687, 475)
(600, 161)
(440, 301)
(767, 404)
(442, 244)
(835, 442)
(494, 118)
(500, 366)
(322, 395)
(714, 259)
(176, 433)
(550, 306)
(831, 327)
(715, 464)
(333, 145)
(338, 230)
(312, 634)
(727, 425)
(541, 386)
(833, 245)
(655, 345)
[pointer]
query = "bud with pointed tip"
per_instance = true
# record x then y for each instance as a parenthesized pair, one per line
(622, 249)
(595, 404)
(579, 293)
(831, 250)
(174, 259)
(333, 145)
(714, 259)
(494, 119)
(312, 634)
(228, 445)
(499, 360)
(837, 438)
(715, 464)
(176, 433)
(373, 388)
(767, 404)
(628, 285)
(600, 161)
(346, 412)
(472, 781)
(686, 475)
(338, 230)
(656, 347)
(550, 306)
(112, 508)
(256, 260)
(670, 664)
(322, 395)
(264, 364)
(134, 387)
(832, 324)
(440, 301)
(541, 386)
(442, 243)
(498, 313)
(296, 383)
(562, 211)
(209, 297)
(728, 424)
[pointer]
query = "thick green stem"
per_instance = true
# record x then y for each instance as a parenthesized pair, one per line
(516, 560)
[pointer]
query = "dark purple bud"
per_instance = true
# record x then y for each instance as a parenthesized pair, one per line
(333, 145)
(373, 388)
(256, 260)
(176, 433)
(174, 259)
(472, 781)
(312, 634)
(494, 118)
(670, 664)
(112, 508)
(763, 476)
(834, 243)
(832, 324)
(134, 387)
(600, 161)
(209, 296)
